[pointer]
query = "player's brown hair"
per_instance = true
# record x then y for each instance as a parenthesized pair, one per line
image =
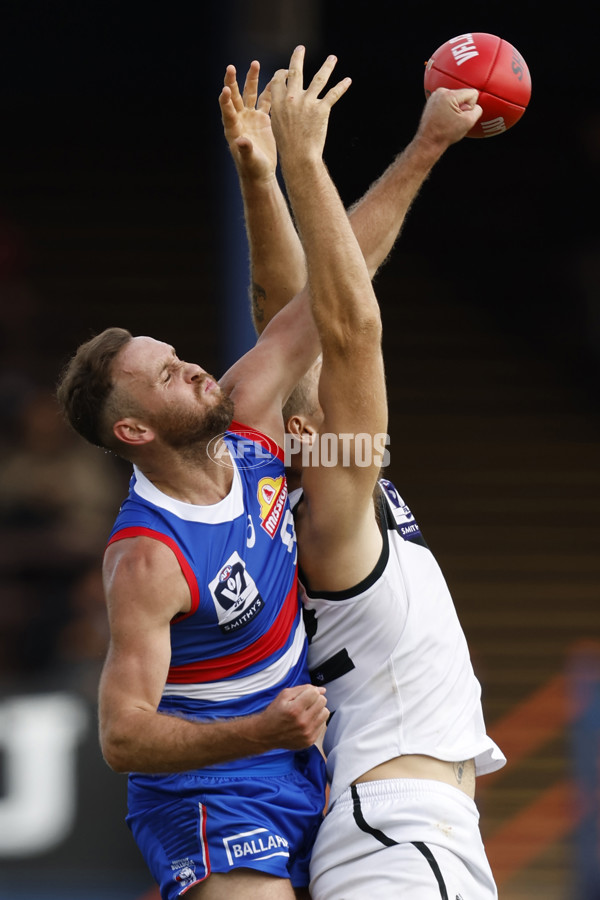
(85, 386)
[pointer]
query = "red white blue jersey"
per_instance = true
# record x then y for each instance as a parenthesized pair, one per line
(243, 639)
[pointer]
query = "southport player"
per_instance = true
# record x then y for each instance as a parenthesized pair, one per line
(407, 737)
(204, 696)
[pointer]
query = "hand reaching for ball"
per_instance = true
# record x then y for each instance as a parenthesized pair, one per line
(491, 66)
(449, 116)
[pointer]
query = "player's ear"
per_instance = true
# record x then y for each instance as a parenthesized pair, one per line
(132, 431)
(301, 427)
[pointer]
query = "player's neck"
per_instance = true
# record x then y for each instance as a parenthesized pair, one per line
(200, 482)
(293, 478)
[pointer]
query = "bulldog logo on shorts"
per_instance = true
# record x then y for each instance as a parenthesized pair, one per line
(184, 871)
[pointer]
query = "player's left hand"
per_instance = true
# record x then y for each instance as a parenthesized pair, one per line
(247, 124)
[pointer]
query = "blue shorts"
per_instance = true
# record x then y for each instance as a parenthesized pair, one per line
(261, 817)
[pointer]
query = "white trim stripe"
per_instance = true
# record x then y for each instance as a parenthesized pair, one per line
(227, 509)
(233, 688)
(202, 838)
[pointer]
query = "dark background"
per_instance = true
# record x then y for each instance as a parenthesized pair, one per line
(118, 207)
(110, 120)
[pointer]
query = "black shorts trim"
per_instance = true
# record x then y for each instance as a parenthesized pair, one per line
(424, 849)
(364, 825)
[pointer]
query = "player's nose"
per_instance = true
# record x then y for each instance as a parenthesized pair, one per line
(193, 372)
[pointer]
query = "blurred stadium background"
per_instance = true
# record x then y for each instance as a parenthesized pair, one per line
(118, 205)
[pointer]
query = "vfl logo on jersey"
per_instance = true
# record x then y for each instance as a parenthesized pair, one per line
(405, 521)
(235, 595)
(272, 494)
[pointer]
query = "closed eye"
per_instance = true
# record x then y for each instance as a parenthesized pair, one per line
(169, 366)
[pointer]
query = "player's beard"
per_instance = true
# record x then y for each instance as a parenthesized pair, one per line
(185, 430)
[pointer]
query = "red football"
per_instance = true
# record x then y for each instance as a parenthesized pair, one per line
(491, 65)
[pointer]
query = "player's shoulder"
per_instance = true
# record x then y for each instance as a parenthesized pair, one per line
(143, 573)
(138, 557)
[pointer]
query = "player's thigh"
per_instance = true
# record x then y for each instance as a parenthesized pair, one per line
(243, 884)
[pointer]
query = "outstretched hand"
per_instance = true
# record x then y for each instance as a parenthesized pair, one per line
(299, 116)
(247, 124)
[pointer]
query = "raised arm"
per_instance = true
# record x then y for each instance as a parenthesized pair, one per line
(338, 538)
(337, 500)
(261, 381)
(277, 266)
(377, 218)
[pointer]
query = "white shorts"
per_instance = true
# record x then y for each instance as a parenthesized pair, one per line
(401, 838)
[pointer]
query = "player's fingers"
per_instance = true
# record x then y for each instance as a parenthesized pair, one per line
(305, 694)
(321, 78)
(296, 69)
(277, 85)
(264, 101)
(227, 108)
(338, 90)
(313, 697)
(251, 84)
(230, 76)
(467, 96)
(474, 112)
(224, 96)
(244, 145)
(231, 83)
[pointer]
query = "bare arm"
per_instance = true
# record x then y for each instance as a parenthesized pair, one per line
(337, 516)
(277, 263)
(277, 266)
(377, 218)
(145, 589)
(338, 538)
(261, 381)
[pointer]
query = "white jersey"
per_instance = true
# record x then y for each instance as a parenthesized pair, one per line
(395, 661)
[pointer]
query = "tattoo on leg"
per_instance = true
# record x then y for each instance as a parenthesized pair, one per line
(258, 296)
(459, 770)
